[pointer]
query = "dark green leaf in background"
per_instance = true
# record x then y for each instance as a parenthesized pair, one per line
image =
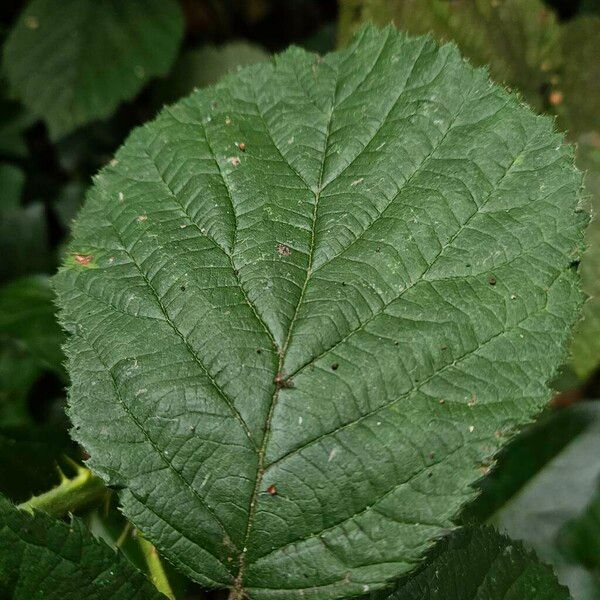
(480, 564)
(13, 121)
(586, 342)
(45, 558)
(74, 61)
(30, 343)
(308, 305)
(23, 234)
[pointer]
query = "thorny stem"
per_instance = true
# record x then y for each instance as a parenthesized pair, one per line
(69, 495)
(155, 568)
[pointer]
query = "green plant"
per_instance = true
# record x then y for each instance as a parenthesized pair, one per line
(285, 268)
(306, 310)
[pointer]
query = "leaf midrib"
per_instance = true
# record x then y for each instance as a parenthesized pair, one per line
(237, 589)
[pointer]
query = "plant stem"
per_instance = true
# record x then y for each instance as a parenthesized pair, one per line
(155, 568)
(70, 495)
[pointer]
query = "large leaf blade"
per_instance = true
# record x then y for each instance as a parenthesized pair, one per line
(371, 269)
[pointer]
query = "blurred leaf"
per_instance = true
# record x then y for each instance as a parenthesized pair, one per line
(479, 564)
(11, 186)
(580, 82)
(518, 39)
(579, 539)
(74, 61)
(13, 121)
(585, 349)
(23, 236)
(30, 343)
(204, 66)
(29, 457)
(68, 202)
(557, 494)
(18, 373)
(27, 316)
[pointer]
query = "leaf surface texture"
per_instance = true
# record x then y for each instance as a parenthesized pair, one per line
(307, 304)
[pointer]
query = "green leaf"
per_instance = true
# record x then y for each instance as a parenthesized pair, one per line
(205, 66)
(559, 493)
(41, 557)
(480, 564)
(57, 55)
(294, 356)
(585, 348)
(23, 232)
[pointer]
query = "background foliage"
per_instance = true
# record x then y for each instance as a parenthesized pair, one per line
(66, 107)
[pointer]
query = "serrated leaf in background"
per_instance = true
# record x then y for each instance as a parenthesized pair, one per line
(301, 304)
(46, 558)
(478, 563)
(75, 61)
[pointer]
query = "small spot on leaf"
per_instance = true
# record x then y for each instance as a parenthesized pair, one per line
(283, 250)
(83, 259)
(272, 490)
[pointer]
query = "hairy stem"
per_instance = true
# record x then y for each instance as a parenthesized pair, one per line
(155, 568)
(69, 495)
